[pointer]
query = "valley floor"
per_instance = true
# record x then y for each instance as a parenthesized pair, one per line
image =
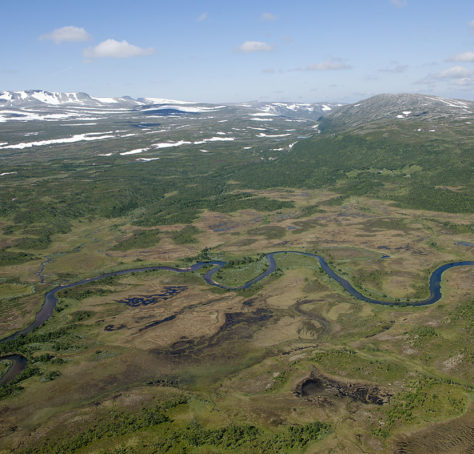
(162, 362)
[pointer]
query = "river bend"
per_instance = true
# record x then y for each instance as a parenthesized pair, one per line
(50, 300)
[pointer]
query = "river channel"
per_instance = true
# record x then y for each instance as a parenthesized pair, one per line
(50, 300)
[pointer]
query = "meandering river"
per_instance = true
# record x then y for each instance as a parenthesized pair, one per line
(51, 300)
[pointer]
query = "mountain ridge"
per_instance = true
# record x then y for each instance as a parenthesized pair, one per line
(403, 106)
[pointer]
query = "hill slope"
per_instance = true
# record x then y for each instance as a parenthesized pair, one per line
(399, 107)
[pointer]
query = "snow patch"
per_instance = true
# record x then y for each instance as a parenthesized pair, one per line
(170, 144)
(79, 124)
(24, 115)
(75, 138)
(262, 134)
(451, 102)
(166, 101)
(263, 114)
(215, 139)
(138, 150)
(106, 100)
(99, 133)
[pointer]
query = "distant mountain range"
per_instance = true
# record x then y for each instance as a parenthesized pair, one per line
(42, 98)
(40, 104)
(45, 105)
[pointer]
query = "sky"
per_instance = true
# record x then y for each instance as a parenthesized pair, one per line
(233, 51)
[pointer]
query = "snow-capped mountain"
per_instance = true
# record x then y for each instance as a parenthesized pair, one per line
(46, 99)
(46, 105)
(43, 98)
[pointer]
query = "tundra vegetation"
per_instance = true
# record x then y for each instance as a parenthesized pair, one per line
(212, 370)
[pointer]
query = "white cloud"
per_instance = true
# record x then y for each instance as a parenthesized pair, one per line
(465, 56)
(110, 48)
(202, 17)
(328, 65)
(455, 72)
(69, 34)
(399, 3)
(255, 46)
(268, 17)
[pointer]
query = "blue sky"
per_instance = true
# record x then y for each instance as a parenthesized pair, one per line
(224, 51)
